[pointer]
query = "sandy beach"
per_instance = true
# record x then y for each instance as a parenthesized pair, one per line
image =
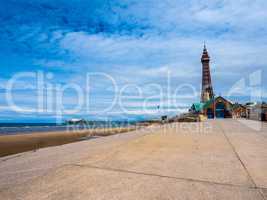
(12, 144)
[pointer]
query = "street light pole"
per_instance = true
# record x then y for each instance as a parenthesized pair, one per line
(214, 108)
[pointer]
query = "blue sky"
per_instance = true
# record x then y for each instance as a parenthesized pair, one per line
(139, 43)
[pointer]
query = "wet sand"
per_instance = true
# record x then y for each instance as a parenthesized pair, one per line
(12, 144)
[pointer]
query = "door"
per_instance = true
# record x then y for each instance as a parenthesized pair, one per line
(210, 113)
(220, 110)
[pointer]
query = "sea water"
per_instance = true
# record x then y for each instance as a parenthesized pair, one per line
(25, 128)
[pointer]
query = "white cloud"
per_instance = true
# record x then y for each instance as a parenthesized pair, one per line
(137, 42)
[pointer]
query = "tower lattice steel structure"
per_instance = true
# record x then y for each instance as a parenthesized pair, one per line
(207, 90)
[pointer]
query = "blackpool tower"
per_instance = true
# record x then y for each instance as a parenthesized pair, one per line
(207, 91)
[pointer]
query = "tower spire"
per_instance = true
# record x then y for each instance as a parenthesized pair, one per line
(207, 90)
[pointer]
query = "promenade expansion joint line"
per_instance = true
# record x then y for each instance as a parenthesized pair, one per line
(242, 163)
(163, 176)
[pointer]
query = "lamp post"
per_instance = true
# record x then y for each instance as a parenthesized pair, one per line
(214, 107)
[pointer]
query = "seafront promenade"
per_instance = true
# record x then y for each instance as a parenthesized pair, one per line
(216, 159)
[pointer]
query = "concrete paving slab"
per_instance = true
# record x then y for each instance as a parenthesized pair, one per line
(22, 167)
(242, 126)
(205, 156)
(192, 161)
(88, 183)
(251, 148)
